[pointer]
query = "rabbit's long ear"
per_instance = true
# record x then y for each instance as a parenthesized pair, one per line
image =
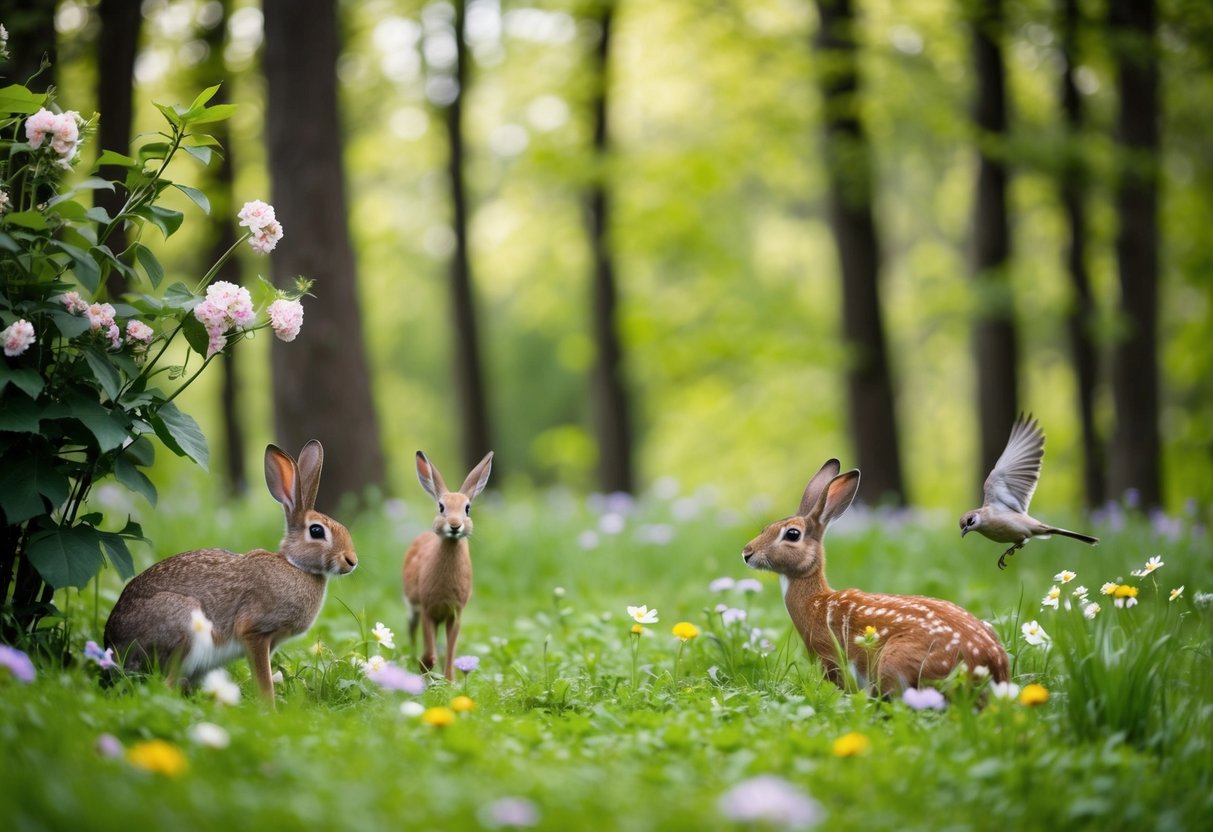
(817, 486)
(311, 461)
(479, 477)
(836, 500)
(431, 480)
(282, 477)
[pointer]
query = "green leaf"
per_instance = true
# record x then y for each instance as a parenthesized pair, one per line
(202, 154)
(19, 414)
(180, 296)
(84, 266)
(170, 113)
(27, 379)
(203, 140)
(167, 220)
(109, 157)
(181, 434)
(24, 481)
(104, 371)
(220, 112)
(26, 219)
(151, 265)
(67, 556)
(17, 99)
(134, 479)
(154, 150)
(69, 325)
(141, 451)
(107, 426)
(196, 195)
(203, 97)
(119, 555)
(196, 335)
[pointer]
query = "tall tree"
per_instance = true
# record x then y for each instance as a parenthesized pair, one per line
(469, 374)
(1081, 318)
(117, 45)
(608, 394)
(994, 335)
(1134, 461)
(848, 162)
(321, 382)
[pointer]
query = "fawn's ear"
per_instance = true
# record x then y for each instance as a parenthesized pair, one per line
(839, 494)
(282, 478)
(817, 486)
(311, 461)
(431, 480)
(479, 477)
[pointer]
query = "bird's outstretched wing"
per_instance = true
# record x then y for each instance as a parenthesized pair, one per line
(1013, 481)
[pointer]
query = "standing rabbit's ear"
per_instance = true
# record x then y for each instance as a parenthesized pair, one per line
(282, 477)
(836, 500)
(430, 479)
(817, 486)
(479, 477)
(311, 460)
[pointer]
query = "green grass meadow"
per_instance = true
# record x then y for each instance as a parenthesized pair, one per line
(579, 724)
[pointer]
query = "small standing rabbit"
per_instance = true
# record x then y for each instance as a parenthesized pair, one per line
(438, 563)
(200, 609)
(912, 639)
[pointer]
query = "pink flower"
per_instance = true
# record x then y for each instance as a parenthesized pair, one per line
(216, 342)
(924, 699)
(266, 238)
(256, 215)
(103, 658)
(227, 305)
(6, 201)
(17, 338)
(770, 799)
(509, 813)
(62, 129)
(100, 316)
(139, 332)
(18, 663)
(73, 302)
(40, 125)
(393, 677)
(115, 336)
(286, 318)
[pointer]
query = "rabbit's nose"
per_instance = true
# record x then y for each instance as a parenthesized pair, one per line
(746, 554)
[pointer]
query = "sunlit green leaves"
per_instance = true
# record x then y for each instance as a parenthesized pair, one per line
(181, 434)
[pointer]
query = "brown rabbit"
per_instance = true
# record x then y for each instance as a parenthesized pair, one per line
(914, 639)
(199, 610)
(438, 563)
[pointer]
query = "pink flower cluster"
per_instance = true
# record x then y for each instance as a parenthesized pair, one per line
(62, 129)
(286, 318)
(101, 318)
(264, 229)
(17, 338)
(226, 306)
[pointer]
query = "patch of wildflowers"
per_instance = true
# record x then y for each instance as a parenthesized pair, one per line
(767, 799)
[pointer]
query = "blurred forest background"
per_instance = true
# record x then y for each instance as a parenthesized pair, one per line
(715, 240)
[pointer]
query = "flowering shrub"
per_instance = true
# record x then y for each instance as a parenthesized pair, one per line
(88, 378)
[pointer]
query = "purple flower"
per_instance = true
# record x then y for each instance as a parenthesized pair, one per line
(924, 699)
(467, 664)
(732, 615)
(109, 746)
(103, 658)
(513, 812)
(722, 584)
(770, 799)
(394, 677)
(17, 662)
(749, 585)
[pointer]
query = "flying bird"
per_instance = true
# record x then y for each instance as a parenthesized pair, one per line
(1008, 490)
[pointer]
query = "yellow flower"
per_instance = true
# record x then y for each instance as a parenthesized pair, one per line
(851, 745)
(462, 704)
(159, 757)
(685, 630)
(637, 629)
(1033, 695)
(439, 717)
(1125, 591)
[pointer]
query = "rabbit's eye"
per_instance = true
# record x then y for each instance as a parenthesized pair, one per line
(792, 534)
(316, 531)
(467, 509)
(442, 508)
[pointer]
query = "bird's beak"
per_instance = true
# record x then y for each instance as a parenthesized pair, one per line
(964, 530)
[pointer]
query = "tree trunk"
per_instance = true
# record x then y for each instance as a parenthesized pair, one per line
(321, 381)
(1081, 318)
(994, 329)
(474, 432)
(117, 45)
(1135, 462)
(608, 395)
(848, 162)
(31, 37)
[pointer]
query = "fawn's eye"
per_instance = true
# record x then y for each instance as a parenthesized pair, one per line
(316, 531)
(792, 534)
(442, 508)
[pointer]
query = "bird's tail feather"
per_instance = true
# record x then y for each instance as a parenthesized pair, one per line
(1085, 538)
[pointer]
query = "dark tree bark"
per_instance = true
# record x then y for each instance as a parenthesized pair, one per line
(1135, 455)
(117, 44)
(31, 38)
(996, 347)
(1081, 319)
(321, 381)
(848, 161)
(475, 438)
(608, 395)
